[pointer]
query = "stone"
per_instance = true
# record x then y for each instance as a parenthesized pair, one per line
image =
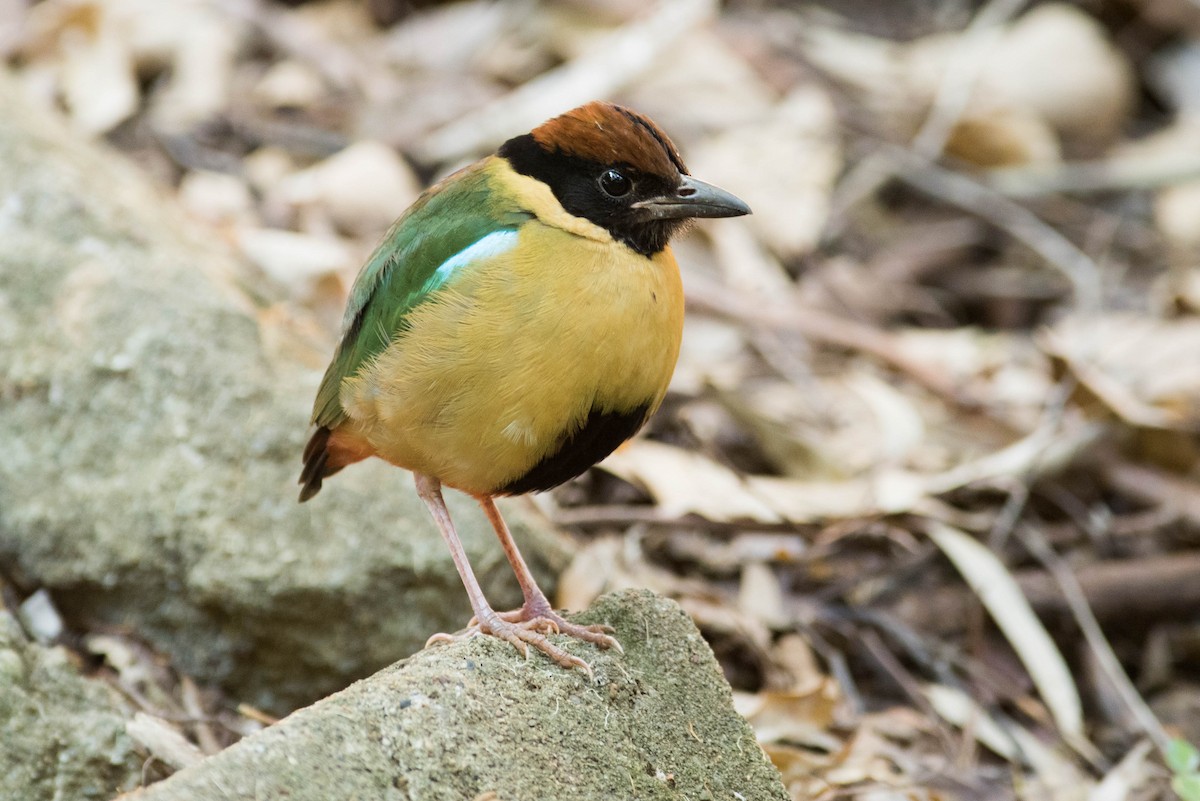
(153, 411)
(474, 720)
(61, 735)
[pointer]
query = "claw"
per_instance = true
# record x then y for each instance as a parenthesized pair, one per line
(442, 637)
(521, 647)
(524, 627)
(541, 624)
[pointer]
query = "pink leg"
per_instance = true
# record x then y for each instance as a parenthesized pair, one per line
(536, 611)
(520, 635)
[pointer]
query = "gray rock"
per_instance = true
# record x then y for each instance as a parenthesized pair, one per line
(152, 438)
(61, 736)
(460, 721)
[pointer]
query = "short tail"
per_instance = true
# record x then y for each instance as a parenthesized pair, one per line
(328, 451)
(316, 464)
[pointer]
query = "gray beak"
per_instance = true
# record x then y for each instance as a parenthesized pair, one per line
(693, 198)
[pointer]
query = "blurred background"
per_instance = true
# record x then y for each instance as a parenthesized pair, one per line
(928, 477)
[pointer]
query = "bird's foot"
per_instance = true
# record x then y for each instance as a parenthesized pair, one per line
(547, 621)
(529, 626)
(521, 634)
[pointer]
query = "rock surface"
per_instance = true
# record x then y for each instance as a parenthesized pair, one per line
(61, 735)
(152, 431)
(462, 721)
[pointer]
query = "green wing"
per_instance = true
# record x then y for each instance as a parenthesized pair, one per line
(403, 272)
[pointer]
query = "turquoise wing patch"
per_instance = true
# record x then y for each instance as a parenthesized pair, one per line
(491, 245)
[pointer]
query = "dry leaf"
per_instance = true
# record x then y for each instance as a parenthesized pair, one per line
(217, 198)
(683, 482)
(747, 264)
(1128, 775)
(201, 44)
(790, 205)
(99, 47)
(163, 741)
(594, 569)
(609, 64)
(800, 770)
(337, 39)
(1177, 216)
(1048, 449)
(830, 428)
(867, 758)
(885, 491)
(802, 718)
(1059, 62)
(297, 261)
(717, 616)
(451, 37)
(1008, 607)
(289, 84)
(760, 594)
(1144, 370)
(726, 556)
(1003, 138)
(1011, 742)
(711, 352)
(700, 85)
(1004, 367)
(607, 564)
(364, 187)
(795, 662)
(1055, 63)
(97, 80)
(265, 167)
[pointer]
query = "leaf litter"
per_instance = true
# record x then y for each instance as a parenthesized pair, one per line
(927, 477)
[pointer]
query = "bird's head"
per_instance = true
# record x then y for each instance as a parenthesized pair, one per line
(617, 169)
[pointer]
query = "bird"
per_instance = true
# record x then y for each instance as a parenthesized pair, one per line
(519, 322)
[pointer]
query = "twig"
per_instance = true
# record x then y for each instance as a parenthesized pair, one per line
(939, 665)
(1010, 513)
(960, 74)
(1047, 448)
(953, 95)
(892, 666)
(1127, 589)
(1008, 608)
(1176, 494)
(852, 699)
(1017, 221)
(1117, 591)
(190, 694)
(832, 330)
(1107, 660)
(617, 515)
(1085, 177)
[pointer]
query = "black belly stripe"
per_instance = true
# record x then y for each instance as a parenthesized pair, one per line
(599, 436)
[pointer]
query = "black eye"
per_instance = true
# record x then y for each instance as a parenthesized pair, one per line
(614, 184)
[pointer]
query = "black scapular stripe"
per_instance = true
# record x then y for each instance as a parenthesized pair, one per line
(599, 436)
